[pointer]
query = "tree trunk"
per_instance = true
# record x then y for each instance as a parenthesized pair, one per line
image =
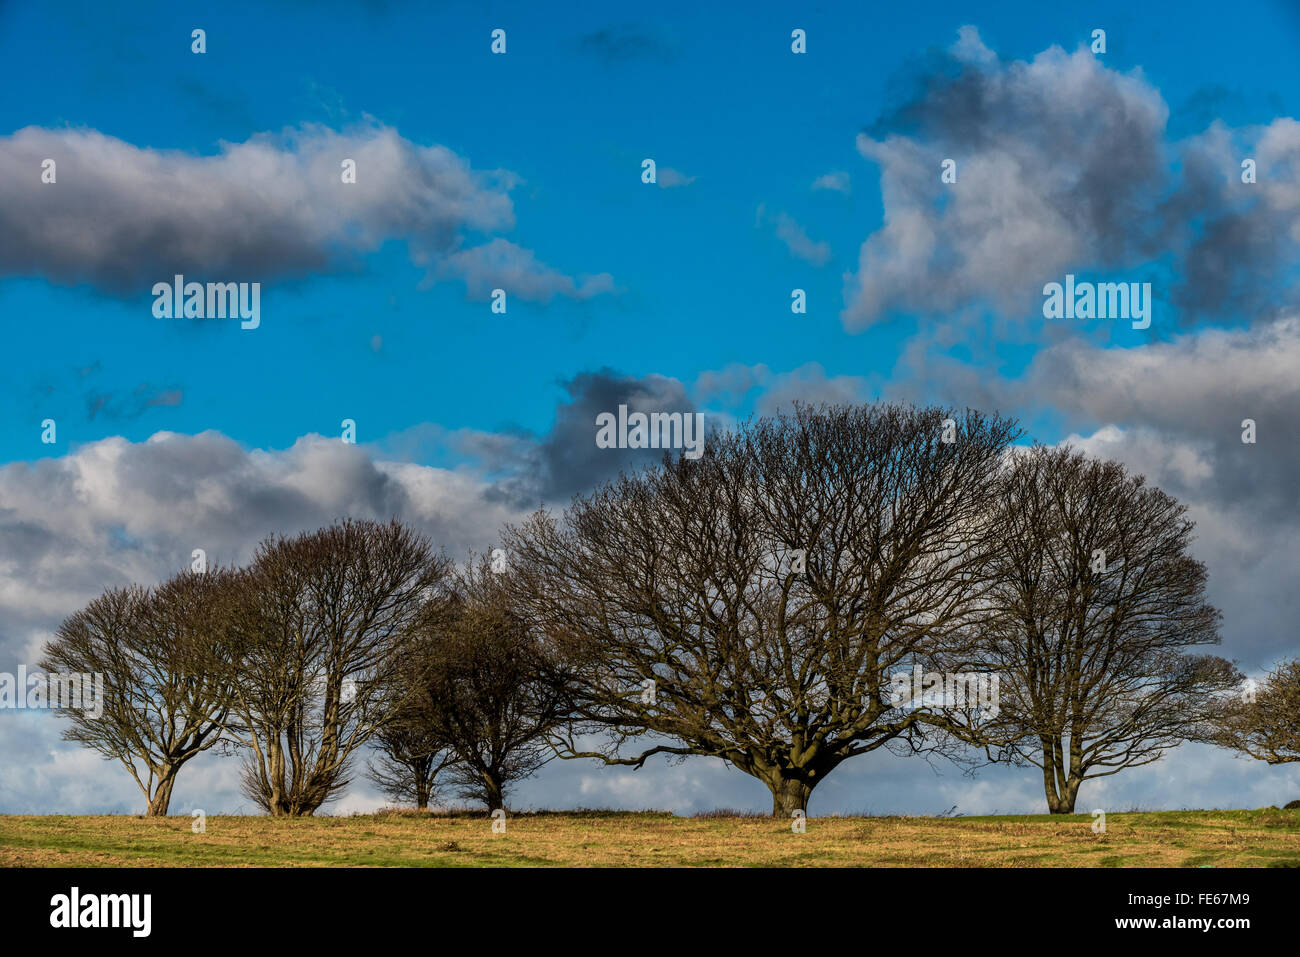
(789, 795)
(275, 772)
(420, 771)
(493, 792)
(1069, 795)
(162, 796)
(1049, 787)
(1053, 776)
(1061, 788)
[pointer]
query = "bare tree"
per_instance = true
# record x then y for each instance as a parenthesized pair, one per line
(490, 693)
(321, 623)
(751, 604)
(409, 757)
(1094, 599)
(164, 654)
(1264, 722)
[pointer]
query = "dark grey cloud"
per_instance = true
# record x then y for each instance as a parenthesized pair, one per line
(566, 460)
(1239, 241)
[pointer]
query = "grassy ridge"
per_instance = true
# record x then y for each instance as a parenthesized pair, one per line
(1261, 838)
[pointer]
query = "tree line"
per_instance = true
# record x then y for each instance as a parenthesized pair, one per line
(750, 604)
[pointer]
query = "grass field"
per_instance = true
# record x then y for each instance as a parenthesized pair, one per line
(1263, 838)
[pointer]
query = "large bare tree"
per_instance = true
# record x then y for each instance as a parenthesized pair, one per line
(1094, 602)
(164, 654)
(752, 604)
(321, 625)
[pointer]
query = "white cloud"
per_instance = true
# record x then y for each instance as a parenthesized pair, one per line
(502, 264)
(668, 178)
(123, 217)
(836, 180)
(798, 242)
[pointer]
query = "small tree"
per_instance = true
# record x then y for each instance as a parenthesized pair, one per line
(164, 654)
(489, 693)
(408, 756)
(1093, 600)
(1264, 722)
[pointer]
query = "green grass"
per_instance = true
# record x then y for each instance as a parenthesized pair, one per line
(1261, 838)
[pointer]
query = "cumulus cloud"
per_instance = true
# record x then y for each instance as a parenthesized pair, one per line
(504, 265)
(1195, 390)
(122, 217)
(115, 511)
(1065, 165)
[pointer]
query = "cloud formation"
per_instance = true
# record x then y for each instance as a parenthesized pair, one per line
(566, 460)
(1065, 165)
(799, 243)
(500, 264)
(122, 217)
(1173, 411)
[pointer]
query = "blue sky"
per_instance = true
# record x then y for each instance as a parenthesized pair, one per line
(706, 89)
(777, 171)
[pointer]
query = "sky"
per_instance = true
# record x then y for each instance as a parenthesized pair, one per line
(523, 171)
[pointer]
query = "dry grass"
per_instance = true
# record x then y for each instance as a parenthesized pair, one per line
(1260, 838)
